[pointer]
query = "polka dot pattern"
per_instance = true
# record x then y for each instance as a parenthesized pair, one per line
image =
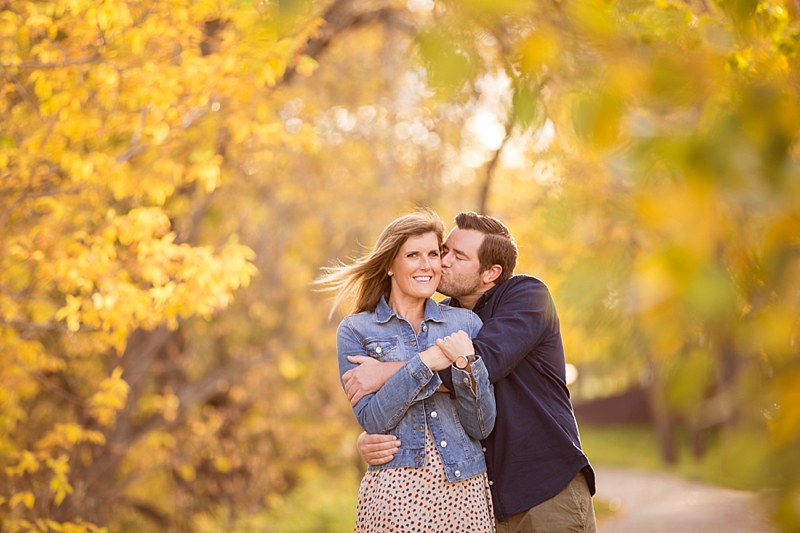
(421, 500)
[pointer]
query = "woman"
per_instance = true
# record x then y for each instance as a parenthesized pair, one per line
(437, 480)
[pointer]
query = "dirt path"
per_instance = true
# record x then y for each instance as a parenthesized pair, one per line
(653, 502)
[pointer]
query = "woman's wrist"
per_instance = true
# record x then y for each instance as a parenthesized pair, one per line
(464, 362)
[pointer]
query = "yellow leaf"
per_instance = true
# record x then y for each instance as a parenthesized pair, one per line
(187, 472)
(26, 498)
(222, 463)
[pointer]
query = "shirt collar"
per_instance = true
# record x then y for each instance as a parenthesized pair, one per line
(432, 311)
(483, 299)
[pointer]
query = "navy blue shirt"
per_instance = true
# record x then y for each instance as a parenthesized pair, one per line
(535, 450)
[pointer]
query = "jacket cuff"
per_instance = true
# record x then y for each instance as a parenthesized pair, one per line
(427, 379)
(462, 378)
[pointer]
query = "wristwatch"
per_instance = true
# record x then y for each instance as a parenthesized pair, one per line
(463, 361)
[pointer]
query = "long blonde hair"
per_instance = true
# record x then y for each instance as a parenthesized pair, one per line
(367, 278)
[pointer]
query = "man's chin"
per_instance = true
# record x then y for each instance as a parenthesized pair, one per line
(443, 289)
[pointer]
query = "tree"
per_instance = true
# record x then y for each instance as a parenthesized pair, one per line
(674, 164)
(119, 119)
(158, 159)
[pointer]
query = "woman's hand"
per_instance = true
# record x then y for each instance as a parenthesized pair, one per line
(435, 359)
(456, 345)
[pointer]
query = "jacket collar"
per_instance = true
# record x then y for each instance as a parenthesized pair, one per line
(482, 300)
(432, 311)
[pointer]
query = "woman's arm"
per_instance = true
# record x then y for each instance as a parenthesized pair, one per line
(474, 394)
(382, 410)
(369, 374)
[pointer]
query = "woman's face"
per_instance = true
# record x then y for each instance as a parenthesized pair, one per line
(417, 268)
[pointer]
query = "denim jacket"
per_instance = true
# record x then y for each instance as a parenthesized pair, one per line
(408, 400)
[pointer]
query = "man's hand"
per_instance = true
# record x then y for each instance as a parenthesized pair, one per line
(368, 377)
(456, 345)
(377, 449)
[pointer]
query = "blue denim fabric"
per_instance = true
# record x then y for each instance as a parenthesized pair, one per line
(408, 401)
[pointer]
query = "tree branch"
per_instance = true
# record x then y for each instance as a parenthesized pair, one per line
(344, 15)
(53, 64)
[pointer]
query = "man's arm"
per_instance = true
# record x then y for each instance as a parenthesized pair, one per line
(377, 449)
(524, 318)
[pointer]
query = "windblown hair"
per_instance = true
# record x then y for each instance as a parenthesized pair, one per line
(498, 246)
(367, 278)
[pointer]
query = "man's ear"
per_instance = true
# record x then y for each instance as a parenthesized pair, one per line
(491, 274)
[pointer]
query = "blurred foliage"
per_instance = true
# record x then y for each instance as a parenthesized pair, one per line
(175, 173)
(740, 461)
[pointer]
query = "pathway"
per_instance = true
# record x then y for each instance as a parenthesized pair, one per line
(652, 502)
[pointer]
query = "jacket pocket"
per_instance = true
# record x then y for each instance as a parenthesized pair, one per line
(384, 349)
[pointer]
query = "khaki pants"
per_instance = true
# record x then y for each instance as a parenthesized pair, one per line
(569, 511)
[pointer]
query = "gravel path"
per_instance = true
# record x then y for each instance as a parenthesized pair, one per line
(651, 502)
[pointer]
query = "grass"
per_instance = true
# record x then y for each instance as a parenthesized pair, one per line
(324, 502)
(734, 460)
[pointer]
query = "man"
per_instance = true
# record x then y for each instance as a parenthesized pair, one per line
(540, 479)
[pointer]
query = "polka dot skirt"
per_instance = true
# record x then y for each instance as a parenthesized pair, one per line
(411, 500)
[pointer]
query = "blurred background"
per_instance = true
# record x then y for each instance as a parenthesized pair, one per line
(175, 173)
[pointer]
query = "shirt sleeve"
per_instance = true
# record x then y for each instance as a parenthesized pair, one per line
(525, 320)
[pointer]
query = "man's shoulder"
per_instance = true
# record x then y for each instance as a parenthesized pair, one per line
(522, 283)
(522, 292)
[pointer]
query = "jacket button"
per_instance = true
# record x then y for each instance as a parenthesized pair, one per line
(466, 380)
(491, 482)
(444, 444)
(378, 349)
(484, 450)
(434, 414)
(424, 328)
(458, 473)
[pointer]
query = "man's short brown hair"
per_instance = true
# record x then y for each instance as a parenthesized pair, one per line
(498, 246)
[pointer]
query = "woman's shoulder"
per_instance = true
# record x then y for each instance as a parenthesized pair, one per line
(456, 313)
(357, 320)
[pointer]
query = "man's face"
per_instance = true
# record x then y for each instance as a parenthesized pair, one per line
(460, 264)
